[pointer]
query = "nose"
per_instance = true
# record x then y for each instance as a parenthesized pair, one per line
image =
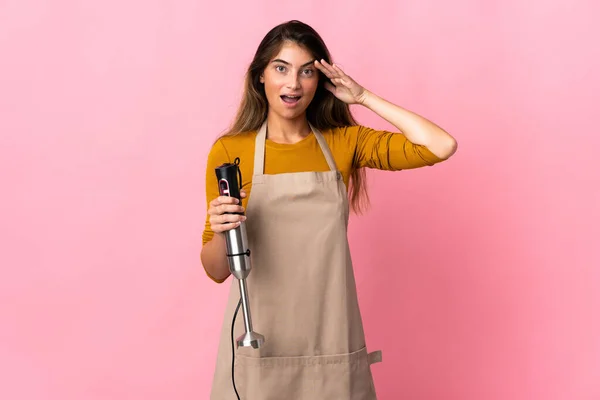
(294, 81)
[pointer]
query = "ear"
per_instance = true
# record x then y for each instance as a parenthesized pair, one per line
(262, 78)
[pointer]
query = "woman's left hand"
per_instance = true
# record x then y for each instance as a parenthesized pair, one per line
(344, 88)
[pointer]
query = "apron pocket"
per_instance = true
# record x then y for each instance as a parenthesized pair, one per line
(332, 377)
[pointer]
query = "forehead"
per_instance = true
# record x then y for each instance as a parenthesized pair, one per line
(294, 54)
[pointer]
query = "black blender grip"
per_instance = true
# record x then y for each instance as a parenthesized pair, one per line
(227, 178)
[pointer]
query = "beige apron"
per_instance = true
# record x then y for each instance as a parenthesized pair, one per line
(302, 293)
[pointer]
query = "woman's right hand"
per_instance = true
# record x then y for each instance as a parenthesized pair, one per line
(220, 221)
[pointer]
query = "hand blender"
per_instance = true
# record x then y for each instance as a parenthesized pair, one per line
(238, 253)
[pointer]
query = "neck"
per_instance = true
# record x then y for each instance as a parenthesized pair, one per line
(287, 131)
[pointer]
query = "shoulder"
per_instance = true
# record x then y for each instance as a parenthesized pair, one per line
(346, 136)
(337, 132)
(230, 145)
(348, 131)
(342, 142)
(237, 140)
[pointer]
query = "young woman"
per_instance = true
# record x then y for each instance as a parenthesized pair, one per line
(299, 149)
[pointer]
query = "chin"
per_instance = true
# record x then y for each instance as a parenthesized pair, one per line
(291, 114)
(294, 116)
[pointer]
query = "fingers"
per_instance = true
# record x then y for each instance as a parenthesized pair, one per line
(225, 208)
(339, 82)
(334, 73)
(226, 213)
(224, 227)
(225, 222)
(227, 200)
(339, 71)
(330, 87)
(331, 70)
(221, 219)
(224, 200)
(324, 67)
(223, 204)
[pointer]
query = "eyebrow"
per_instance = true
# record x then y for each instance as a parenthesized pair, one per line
(287, 63)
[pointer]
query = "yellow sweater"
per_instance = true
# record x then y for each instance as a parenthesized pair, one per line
(352, 147)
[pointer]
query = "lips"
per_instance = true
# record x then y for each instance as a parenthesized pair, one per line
(290, 99)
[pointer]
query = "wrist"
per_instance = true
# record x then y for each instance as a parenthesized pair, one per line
(365, 98)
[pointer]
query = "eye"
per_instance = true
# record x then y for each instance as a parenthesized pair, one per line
(280, 68)
(308, 72)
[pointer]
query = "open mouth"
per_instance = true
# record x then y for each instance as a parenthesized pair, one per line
(291, 99)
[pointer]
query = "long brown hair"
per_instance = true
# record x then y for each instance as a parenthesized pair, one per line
(325, 110)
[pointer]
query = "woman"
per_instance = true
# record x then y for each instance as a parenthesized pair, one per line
(300, 149)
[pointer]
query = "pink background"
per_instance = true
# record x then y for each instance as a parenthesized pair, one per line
(478, 278)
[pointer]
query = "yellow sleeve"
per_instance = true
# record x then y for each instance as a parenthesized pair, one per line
(217, 156)
(389, 150)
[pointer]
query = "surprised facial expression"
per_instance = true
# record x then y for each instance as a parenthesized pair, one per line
(290, 80)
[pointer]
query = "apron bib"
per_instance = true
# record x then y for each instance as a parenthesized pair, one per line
(302, 293)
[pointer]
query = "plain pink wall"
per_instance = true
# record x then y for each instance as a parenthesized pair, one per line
(478, 278)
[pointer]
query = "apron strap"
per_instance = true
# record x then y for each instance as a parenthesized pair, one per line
(324, 148)
(259, 149)
(374, 357)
